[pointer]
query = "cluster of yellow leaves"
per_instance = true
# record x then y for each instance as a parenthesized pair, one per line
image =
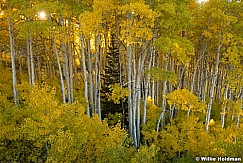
(89, 22)
(149, 100)
(145, 154)
(234, 108)
(153, 113)
(104, 7)
(117, 94)
(85, 140)
(63, 130)
(184, 99)
(162, 75)
(234, 79)
(188, 135)
(5, 80)
(140, 20)
(181, 52)
(180, 48)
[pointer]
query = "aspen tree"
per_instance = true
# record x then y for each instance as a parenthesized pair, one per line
(12, 54)
(59, 68)
(218, 25)
(85, 76)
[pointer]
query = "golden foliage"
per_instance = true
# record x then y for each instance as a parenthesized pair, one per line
(184, 99)
(118, 93)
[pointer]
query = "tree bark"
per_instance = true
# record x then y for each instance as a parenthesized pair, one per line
(224, 108)
(60, 69)
(164, 99)
(66, 69)
(70, 59)
(129, 86)
(138, 88)
(214, 79)
(85, 75)
(147, 81)
(28, 61)
(91, 84)
(12, 55)
(32, 65)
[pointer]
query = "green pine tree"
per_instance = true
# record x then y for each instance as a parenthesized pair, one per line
(110, 77)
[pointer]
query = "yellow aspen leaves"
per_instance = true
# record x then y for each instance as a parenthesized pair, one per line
(184, 99)
(118, 93)
(211, 122)
(89, 22)
(138, 23)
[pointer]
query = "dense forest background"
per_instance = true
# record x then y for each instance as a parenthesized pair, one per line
(120, 80)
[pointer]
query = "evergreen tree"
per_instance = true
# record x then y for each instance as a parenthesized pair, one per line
(111, 76)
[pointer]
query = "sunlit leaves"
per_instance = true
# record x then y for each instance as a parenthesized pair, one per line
(162, 75)
(233, 108)
(104, 7)
(180, 48)
(140, 20)
(89, 22)
(118, 93)
(234, 79)
(175, 20)
(184, 99)
(174, 15)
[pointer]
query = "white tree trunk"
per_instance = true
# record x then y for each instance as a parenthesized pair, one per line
(85, 75)
(66, 70)
(214, 79)
(28, 61)
(224, 107)
(164, 99)
(147, 81)
(12, 51)
(91, 84)
(32, 65)
(196, 67)
(97, 78)
(153, 82)
(70, 72)
(129, 86)
(138, 88)
(60, 69)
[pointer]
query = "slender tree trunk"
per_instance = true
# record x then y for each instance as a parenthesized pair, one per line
(20, 67)
(32, 65)
(202, 79)
(91, 84)
(224, 107)
(239, 115)
(129, 86)
(164, 99)
(97, 78)
(60, 69)
(66, 70)
(188, 112)
(138, 88)
(196, 67)
(134, 98)
(70, 71)
(214, 79)
(205, 80)
(14, 80)
(28, 61)
(147, 81)
(75, 66)
(153, 82)
(85, 75)
(39, 68)
(70, 59)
